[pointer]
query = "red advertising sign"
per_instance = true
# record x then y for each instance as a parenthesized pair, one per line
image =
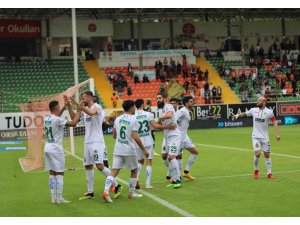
(20, 28)
(188, 28)
(291, 108)
(92, 27)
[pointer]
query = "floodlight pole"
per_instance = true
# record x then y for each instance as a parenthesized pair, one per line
(75, 54)
(75, 66)
(242, 32)
(140, 42)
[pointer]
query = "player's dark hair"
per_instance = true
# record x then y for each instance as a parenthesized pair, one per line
(138, 103)
(127, 105)
(174, 100)
(186, 99)
(96, 99)
(52, 105)
(88, 93)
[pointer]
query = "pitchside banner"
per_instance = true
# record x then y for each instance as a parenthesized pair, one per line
(20, 28)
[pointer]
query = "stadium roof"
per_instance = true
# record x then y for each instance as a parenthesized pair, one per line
(158, 14)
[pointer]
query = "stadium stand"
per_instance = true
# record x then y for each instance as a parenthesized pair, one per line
(25, 80)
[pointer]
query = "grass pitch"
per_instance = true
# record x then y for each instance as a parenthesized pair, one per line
(224, 185)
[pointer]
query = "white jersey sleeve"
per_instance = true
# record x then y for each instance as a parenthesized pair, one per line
(249, 112)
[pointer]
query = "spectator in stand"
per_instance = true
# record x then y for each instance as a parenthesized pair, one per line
(193, 70)
(206, 75)
(111, 77)
(275, 46)
(207, 54)
(207, 96)
(267, 94)
(284, 92)
(214, 94)
(219, 93)
(162, 75)
(145, 79)
(136, 79)
(251, 62)
(186, 85)
(120, 90)
(173, 66)
(297, 92)
(163, 91)
(124, 83)
(178, 68)
(252, 52)
(129, 91)
(258, 92)
(114, 100)
(129, 70)
(233, 76)
(202, 92)
(166, 65)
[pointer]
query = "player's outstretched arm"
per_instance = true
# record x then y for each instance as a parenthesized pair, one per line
(159, 126)
(238, 115)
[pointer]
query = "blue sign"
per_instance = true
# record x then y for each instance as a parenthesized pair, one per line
(288, 120)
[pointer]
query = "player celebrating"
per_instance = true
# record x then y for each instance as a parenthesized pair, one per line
(53, 150)
(183, 119)
(260, 135)
(172, 140)
(94, 145)
(145, 119)
(125, 132)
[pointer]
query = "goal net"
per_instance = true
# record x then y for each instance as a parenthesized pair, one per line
(33, 114)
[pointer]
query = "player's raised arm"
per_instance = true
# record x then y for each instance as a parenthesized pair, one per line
(70, 109)
(75, 119)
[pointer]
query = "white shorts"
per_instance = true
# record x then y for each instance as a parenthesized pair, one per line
(94, 153)
(186, 142)
(173, 144)
(54, 158)
(122, 161)
(140, 153)
(261, 144)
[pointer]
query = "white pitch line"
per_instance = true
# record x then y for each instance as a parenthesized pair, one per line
(246, 150)
(161, 201)
(233, 176)
(157, 199)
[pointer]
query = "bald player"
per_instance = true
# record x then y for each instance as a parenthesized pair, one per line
(260, 135)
